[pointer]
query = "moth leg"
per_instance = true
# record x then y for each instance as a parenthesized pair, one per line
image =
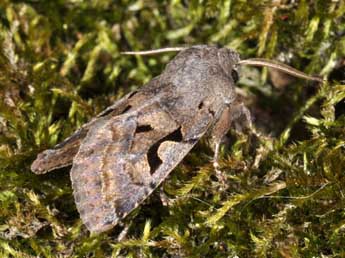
(218, 132)
(241, 117)
(219, 173)
(236, 115)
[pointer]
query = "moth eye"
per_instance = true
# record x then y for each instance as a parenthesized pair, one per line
(234, 75)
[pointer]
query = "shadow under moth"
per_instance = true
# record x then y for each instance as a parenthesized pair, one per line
(121, 156)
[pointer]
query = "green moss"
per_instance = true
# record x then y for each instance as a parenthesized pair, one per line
(60, 64)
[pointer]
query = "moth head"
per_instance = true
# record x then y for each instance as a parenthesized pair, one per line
(228, 59)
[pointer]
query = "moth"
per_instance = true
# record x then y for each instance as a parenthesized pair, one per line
(121, 156)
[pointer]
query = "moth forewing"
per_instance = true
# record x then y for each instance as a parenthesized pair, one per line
(63, 153)
(124, 158)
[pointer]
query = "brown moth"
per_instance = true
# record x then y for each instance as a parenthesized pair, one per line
(121, 156)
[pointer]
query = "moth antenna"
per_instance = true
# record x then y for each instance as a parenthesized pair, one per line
(279, 66)
(154, 51)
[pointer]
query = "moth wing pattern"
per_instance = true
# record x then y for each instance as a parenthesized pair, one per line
(62, 154)
(120, 157)
(122, 160)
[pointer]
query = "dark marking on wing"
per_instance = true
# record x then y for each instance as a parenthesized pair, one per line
(211, 112)
(126, 109)
(152, 154)
(132, 94)
(143, 128)
(106, 112)
(153, 158)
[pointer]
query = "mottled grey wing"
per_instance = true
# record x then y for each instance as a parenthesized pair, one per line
(62, 154)
(122, 160)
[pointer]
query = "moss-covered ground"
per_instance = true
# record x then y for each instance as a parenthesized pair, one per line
(60, 65)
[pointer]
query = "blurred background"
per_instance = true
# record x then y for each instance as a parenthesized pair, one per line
(60, 65)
